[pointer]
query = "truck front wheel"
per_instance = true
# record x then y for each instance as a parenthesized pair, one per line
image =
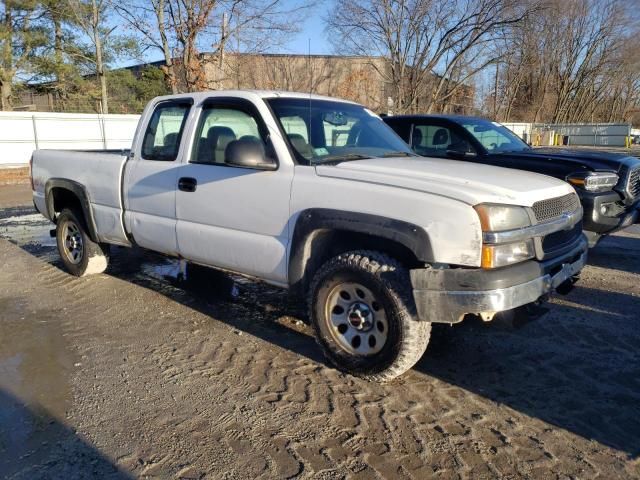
(363, 313)
(81, 255)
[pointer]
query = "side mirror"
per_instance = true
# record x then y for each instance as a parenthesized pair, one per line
(246, 153)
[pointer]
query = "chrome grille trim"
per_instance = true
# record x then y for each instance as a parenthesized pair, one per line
(553, 208)
(633, 183)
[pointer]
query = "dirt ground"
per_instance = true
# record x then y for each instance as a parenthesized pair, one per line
(15, 195)
(137, 373)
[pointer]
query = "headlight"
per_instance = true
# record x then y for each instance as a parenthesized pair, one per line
(494, 256)
(593, 181)
(497, 218)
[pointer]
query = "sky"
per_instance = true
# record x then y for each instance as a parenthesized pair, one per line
(313, 29)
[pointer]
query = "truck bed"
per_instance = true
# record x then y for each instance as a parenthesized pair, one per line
(98, 172)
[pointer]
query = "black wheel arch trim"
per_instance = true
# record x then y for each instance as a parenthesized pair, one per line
(411, 236)
(81, 194)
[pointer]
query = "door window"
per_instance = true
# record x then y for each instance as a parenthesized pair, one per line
(164, 131)
(435, 140)
(217, 128)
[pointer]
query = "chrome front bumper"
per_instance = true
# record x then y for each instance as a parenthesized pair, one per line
(450, 306)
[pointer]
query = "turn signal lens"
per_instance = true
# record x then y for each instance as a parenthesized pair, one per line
(494, 256)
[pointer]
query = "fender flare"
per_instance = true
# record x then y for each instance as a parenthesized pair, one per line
(411, 236)
(81, 194)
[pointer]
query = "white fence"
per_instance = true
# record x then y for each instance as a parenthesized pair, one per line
(523, 130)
(580, 134)
(592, 134)
(23, 132)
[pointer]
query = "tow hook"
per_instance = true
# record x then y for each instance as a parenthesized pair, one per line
(52, 232)
(565, 287)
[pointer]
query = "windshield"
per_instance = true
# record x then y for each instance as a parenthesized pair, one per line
(322, 131)
(495, 137)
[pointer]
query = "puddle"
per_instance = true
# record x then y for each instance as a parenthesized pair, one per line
(35, 370)
(29, 230)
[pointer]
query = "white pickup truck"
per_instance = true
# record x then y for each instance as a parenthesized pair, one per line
(319, 194)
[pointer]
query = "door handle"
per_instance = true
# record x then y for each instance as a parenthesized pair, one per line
(187, 184)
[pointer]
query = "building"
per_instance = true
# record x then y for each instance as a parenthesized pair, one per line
(362, 79)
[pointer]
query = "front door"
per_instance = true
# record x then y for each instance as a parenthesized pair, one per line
(229, 217)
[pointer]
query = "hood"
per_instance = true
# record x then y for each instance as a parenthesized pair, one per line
(468, 182)
(584, 159)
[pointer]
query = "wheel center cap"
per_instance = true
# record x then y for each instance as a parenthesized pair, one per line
(359, 315)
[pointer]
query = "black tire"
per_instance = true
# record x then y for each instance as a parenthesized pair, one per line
(87, 259)
(387, 280)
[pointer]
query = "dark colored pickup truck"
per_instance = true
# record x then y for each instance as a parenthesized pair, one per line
(608, 183)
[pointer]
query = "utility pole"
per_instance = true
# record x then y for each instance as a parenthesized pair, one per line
(223, 40)
(238, 52)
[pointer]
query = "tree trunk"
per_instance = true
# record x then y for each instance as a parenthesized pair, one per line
(57, 46)
(99, 60)
(168, 70)
(6, 76)
(6, 91)
(102, 77)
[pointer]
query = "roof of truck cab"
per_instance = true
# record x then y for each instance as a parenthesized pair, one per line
(264, 94)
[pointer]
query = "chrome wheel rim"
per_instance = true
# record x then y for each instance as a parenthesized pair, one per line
(72, 246)
(356, 319)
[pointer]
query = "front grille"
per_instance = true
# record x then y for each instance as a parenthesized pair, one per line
(633, 183)
(557, 242)
(553, 208)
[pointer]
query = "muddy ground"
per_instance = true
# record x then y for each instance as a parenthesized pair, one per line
(136, 373)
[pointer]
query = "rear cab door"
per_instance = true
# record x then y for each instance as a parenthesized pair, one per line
(151, 175)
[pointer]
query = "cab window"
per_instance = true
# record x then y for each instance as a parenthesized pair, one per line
(217, 128)
(436, 140)
(164, 131)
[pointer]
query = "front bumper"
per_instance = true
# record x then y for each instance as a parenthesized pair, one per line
(599, 224)
(446, 295)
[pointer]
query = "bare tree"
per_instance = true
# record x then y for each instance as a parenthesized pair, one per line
(573, 62)
(90, 16)
(190, 33)
(149, 19)
(425, 41)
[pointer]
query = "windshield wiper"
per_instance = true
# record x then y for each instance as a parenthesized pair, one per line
(341, 158)
(399, 153)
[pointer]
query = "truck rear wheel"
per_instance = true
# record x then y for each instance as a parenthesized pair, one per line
(363, 313)
(81, 255)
